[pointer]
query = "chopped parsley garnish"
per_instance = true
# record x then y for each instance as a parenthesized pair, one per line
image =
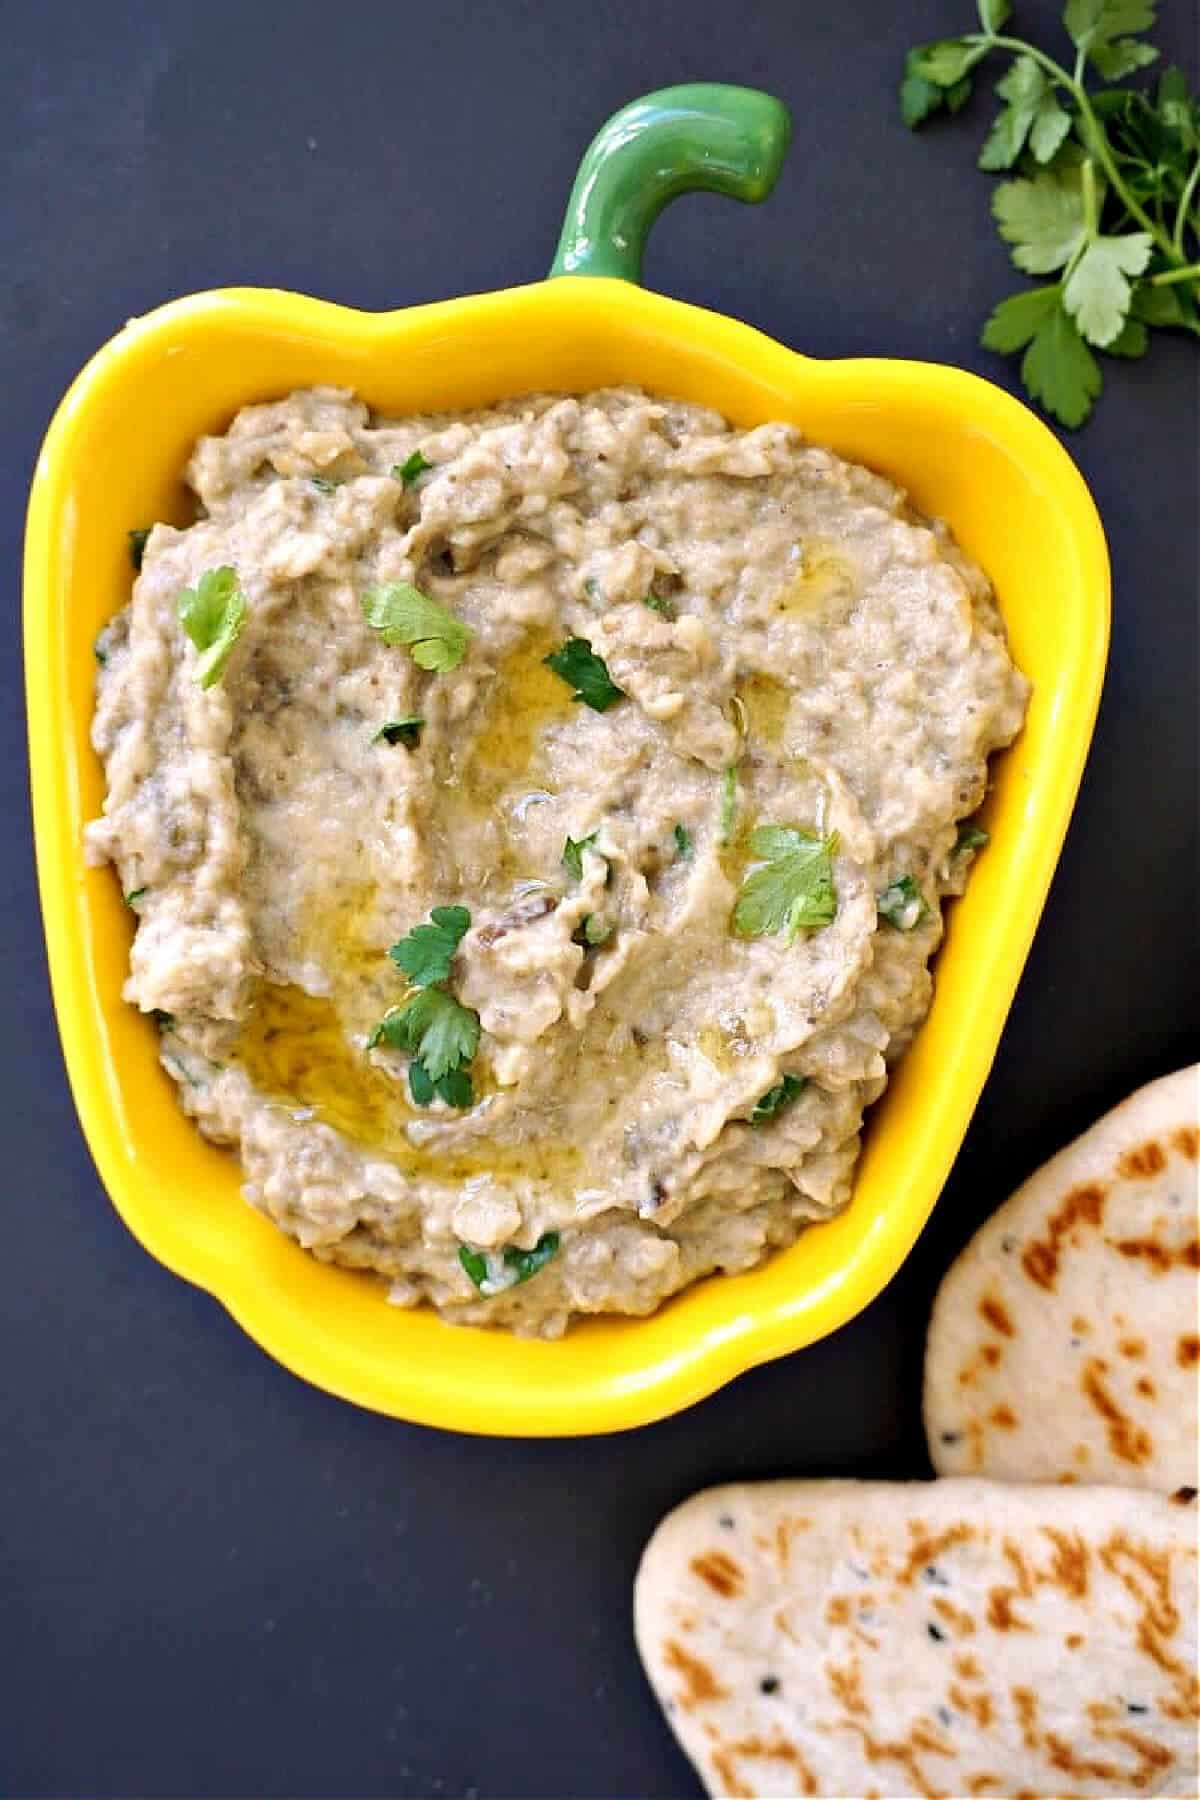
(455, 1087)
(137, 544)
(683, 843)
(728, 812)
(593, 931)
(432, 1026)
(793, 889)
(403, 615)
(213, 614)
(164, 1020)
(137, 894)
(324, 485)
(493, 1271)
(778, 1098)
(658, 603)
(572, 853)
(439, 1033)
(411, 469)
(400, 731)
(970, 837)
(100, 655)
(586, 673)
(591, 587)
(902, 903)
(426, 953)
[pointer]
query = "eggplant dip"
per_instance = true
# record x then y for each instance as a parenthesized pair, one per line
(537, 823)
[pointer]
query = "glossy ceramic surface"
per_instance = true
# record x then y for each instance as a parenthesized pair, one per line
(964, 449)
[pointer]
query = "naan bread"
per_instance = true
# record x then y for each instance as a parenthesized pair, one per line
(944, 1638)
(1064, 1341)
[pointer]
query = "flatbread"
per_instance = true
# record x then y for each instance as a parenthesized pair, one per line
(943, 1638)
(1064, 1341)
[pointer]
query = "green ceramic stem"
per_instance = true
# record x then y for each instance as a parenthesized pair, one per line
(729, 140)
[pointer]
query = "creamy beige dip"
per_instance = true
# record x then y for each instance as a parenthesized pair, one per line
(816, 656)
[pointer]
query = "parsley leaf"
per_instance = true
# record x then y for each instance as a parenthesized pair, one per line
(994, 14)
(213, 614)
(593, 931)
(475, 1264)
(578, 665)
(420, 1083)
(403, 615)
(659, 603)
(1095, 26)
(1157, 306)
(572, 853)
(683, 843)
(492, 1272)
(793, 889)
(1019, 318)
(426, 953)
(1115, 61)
(1097, 292)
(778, 1098)
(919, 97)
(947, 61)
(432, 1026)
(324, 485)
(1132, 340)
(528, 1262)
(1042, 218)
(902, 904)
(411, 469)
(406, 731)
(137, 544)
(1060, 370)
(455, 1087)
(164, 1020)
(132, 899)
(1030, 101)
(971, 837)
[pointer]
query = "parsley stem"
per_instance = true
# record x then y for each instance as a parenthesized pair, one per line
(1097, 135)
(1091, 212)
(1185, 202)
(1166, 277)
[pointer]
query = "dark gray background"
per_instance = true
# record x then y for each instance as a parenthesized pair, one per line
(215, 1580)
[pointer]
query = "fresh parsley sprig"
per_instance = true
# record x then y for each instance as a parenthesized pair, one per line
(1106, 194)
(213, 614)
(578, 665)
(777, 1099)
(426, 953)
(403, 615)
(406, 731)
(971, 837)
(439, 1033)
(572, 853)
(902, 904)
(411, 469)
(492, 1271)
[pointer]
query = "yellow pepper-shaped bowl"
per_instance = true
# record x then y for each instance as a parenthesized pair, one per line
(964, 450)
